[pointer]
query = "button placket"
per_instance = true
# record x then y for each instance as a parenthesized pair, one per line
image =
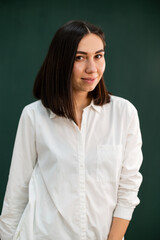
(82, 134)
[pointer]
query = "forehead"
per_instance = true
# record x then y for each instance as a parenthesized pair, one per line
(90, 43)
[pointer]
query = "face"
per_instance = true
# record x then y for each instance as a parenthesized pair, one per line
(89, 64)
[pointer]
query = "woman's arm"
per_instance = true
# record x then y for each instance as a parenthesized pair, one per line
(22, 165)
(118, 228)
(130, 178)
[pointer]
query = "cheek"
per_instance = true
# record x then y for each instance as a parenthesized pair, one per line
(77, 69)
(101, 67)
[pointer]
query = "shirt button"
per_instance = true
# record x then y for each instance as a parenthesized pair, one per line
(82, 180)
(83, 236)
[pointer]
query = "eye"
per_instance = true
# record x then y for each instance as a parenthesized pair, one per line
(98, 56)
(79, 58)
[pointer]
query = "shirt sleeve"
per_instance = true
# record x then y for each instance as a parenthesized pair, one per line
(130, 178)
(22, 165)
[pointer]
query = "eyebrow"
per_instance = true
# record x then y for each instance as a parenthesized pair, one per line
(101, 50)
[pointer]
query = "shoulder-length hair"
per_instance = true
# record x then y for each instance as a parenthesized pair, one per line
(53, 82)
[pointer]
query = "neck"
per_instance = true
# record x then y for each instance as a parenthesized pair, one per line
(82, 100)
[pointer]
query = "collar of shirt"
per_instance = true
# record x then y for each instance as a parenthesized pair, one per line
(95, 107)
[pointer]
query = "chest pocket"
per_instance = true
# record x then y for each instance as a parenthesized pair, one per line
(109, 163)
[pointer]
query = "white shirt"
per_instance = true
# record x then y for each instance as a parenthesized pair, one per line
(67, 183)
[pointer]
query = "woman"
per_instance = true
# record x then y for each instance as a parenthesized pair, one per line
(75, 165)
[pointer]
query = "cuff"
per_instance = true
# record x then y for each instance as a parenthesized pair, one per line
(123, 212)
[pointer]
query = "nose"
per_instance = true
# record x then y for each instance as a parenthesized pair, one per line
(90, 66)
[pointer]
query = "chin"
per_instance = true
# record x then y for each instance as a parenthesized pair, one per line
(91, 88)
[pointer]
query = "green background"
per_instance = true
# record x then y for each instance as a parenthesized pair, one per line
(132, 30)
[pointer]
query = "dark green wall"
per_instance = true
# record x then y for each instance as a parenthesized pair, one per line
(132, 31)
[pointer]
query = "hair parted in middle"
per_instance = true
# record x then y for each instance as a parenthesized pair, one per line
(53, 82)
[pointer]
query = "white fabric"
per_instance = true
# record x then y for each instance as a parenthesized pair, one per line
(66, 183)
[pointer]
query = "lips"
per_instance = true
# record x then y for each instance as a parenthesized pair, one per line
(89, 79)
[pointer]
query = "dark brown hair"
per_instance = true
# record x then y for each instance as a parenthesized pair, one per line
(53, 82)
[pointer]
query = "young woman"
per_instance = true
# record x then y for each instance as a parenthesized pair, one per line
(75, 165)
